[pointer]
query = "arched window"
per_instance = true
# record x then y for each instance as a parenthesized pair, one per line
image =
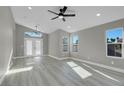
(33, 34)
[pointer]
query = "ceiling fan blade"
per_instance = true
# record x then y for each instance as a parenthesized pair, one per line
(54, 18)
(64, 9)
(53, 12)
(63, 19)
(69, 15)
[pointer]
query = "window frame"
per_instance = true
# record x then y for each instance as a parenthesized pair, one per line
(122, 44)
(72, 44)
(65, 44)
(27, 34)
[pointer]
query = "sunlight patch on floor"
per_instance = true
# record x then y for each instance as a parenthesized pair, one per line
(72, 64)
(79, 70)
(105, 75)
(14, 71)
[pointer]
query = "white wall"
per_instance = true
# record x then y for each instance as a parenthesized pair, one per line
(7, 27)
(19, 41)
(92, 45)
(55, 43)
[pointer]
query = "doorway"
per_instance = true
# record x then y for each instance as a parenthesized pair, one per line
(33, 47)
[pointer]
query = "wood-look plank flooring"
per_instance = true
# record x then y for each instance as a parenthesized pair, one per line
(46, 71)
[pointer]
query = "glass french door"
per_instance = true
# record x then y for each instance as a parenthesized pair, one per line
(33, 47)
(28, 47)
(37, 47)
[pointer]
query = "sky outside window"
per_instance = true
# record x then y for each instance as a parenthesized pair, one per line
(75, 39)
(33, 34)
(114, 34)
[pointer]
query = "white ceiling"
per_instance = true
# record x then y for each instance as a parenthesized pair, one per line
(85, 17)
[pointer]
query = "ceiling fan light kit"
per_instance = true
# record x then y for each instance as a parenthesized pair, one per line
(61, 14)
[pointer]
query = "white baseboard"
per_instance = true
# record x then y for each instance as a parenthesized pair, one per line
(58, 57)
(2, 78)
(91, 63)
(10, 60)
(100, 65)
(8, 66)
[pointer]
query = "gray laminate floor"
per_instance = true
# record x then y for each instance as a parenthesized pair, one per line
(46, 71)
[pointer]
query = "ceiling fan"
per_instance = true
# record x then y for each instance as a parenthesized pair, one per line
(61, 14)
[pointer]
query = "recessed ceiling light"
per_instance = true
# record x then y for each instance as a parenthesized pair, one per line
(60, 17)
(98, 14)
(29, 8)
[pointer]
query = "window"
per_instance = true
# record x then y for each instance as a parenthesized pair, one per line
(75, 43)
(65, 44)
(114, 41)
(33, 34)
